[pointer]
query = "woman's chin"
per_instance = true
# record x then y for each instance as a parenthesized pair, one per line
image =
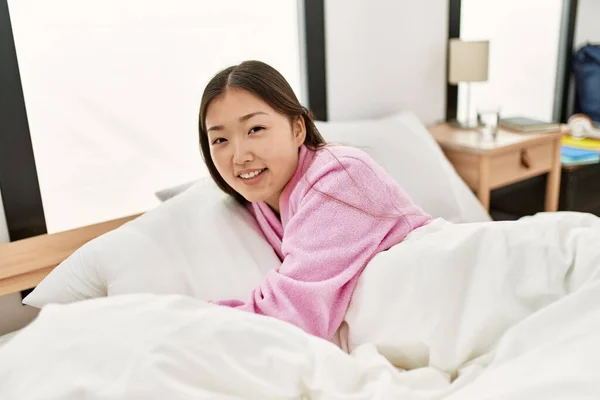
(253, 196)
(257, 196)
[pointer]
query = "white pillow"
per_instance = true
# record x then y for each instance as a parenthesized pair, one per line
(403, 146)
(201, 243)
(167, 193)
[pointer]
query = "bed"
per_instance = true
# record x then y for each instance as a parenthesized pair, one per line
(462, 309)
(5, 338)
(518, 324)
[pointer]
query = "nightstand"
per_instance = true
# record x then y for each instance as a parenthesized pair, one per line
(486, 164)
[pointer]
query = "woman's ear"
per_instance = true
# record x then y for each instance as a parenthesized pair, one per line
(299, 129)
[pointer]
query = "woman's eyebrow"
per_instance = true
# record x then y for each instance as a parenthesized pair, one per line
(241, 119)
(215, 128)
(248, 116)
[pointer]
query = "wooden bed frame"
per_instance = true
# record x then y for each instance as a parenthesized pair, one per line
(24, 263)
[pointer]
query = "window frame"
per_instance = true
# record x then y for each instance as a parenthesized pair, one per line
(562, 88)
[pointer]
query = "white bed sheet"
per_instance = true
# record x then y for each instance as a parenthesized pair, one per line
(6, 337)
(520, 320)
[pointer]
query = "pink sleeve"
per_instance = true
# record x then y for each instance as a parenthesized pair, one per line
(327, 243)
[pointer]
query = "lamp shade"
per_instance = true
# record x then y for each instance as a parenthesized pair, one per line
(468, 61)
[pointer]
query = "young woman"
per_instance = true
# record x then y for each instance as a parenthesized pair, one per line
(327, 210)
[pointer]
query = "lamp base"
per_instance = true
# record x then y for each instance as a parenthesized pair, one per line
(463, 125)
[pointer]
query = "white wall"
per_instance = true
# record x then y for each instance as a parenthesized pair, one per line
(383, 56)
(13, 315)
(588, 25)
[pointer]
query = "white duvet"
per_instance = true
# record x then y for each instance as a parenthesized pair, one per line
(471, 311)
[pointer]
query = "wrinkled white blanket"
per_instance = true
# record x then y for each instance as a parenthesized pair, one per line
(473, 311)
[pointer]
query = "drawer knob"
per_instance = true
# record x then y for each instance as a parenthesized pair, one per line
(525, 159)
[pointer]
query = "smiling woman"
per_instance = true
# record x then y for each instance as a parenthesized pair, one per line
(251, 154)
(250, 145)
(326, 210)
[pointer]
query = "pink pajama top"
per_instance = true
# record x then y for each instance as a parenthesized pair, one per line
(337, 212)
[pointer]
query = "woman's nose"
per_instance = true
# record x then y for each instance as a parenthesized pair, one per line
(242, 152)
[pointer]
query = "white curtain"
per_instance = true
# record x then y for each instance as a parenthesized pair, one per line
(112, 90)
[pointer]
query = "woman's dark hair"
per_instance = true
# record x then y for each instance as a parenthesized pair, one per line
(266, 83)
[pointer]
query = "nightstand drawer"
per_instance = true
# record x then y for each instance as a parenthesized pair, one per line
(517, 165)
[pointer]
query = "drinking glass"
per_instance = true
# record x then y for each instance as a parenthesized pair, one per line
(488, 120)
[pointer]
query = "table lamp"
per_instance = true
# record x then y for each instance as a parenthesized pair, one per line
(468, 62)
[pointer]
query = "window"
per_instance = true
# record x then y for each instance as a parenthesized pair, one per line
(524, 40)
(112, 90)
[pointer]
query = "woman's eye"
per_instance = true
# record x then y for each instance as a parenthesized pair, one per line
(256, 129)
(219, 140)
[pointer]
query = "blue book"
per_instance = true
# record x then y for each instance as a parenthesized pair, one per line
(576, 154)
(567, 161)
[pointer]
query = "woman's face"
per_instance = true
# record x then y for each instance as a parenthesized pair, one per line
(254, 148)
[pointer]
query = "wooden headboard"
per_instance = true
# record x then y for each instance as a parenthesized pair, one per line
(24, 263)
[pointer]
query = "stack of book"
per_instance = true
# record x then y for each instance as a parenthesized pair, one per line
(579, 151)
(528, 125)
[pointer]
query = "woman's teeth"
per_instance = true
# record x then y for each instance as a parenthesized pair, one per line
(251, 175)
